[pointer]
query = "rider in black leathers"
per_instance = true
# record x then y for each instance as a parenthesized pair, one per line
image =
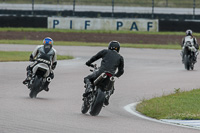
(111, 61)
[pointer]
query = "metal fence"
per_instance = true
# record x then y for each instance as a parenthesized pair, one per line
(191, 7)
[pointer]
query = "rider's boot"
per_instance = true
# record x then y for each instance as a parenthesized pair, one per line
(88, 89)
(108, 94)
(182, 55)
(106, 102)
(27, 80)
(46, 86)
(195, 59)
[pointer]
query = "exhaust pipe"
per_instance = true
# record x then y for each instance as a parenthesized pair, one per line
(48, 79)
(110, 84)
(100, 79)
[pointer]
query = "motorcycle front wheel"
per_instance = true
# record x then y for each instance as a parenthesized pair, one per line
(35, 87)
(85, 106)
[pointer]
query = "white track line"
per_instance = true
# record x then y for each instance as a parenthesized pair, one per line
(194, 124)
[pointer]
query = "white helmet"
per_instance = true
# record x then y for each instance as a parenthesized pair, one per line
(188, 32)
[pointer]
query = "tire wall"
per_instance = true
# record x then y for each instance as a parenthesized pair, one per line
(14, 21)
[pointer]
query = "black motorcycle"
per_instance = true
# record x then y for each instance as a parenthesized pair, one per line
(189, 56)
(39, 77)
(103, 87)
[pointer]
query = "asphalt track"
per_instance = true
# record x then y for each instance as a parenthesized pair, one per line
(148, 73)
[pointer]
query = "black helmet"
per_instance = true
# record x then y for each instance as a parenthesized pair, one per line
(188, 32)
(114, 45)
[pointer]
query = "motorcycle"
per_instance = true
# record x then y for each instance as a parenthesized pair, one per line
(189, 56)
(40, 75)
(103, 88)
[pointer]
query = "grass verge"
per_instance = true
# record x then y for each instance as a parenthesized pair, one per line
(180, 105)
(63, 43)
(6, 56)
(92, 31)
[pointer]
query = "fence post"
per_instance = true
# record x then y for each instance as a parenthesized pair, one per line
(32, 7)
(74, 3)
(113, 2)
(166, 3)
(194, 5)
(152, 15)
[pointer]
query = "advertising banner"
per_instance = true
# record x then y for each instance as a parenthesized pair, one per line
(103, 24)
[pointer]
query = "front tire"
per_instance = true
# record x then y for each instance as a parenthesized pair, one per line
(98, 103)
(85, 106)
(35, 87)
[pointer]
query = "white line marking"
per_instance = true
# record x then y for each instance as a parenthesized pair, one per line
(131, 108)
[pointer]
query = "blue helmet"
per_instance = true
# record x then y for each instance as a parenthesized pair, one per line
(48, 40)
(48, 44)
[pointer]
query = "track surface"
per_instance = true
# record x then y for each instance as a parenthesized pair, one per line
(148, 73)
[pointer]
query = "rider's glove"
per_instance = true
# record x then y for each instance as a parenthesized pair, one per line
(31, 58)
(54, 65)
(88, 64)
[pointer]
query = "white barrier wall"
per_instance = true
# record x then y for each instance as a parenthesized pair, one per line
(103, 24)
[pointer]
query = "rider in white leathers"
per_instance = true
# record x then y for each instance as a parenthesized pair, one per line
(45, 53)
(189, 38)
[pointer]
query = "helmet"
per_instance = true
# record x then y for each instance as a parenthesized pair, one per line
(114, 45)
(188, 32)
(48, 43)
(48, 40)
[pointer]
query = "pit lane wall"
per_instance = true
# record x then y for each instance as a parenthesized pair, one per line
(103, 24)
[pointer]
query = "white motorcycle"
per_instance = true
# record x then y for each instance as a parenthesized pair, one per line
(189, 55)
(40, 75)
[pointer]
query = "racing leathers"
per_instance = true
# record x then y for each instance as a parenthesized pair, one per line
(193, 42)
(42, 53)
(111, 61)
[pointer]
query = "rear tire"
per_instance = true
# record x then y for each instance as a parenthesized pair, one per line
(187, 62)
(98, 103)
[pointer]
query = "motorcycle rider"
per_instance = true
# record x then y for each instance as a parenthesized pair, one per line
(111, 61)
(189, 37)
(45, 52)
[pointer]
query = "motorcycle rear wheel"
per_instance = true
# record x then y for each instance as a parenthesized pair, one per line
(98, 103)
(187, 62)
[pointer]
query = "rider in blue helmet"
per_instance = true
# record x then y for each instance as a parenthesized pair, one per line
(46, 52)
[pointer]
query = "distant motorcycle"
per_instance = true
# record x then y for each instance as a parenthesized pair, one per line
(103, 87)
(39, 77)
(189, 56)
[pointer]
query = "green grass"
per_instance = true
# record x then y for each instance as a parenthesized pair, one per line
(6, 56)
(63, 43)
(91, 31)
(180, 105)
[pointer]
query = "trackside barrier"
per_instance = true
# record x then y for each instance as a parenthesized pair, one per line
(103, 24)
